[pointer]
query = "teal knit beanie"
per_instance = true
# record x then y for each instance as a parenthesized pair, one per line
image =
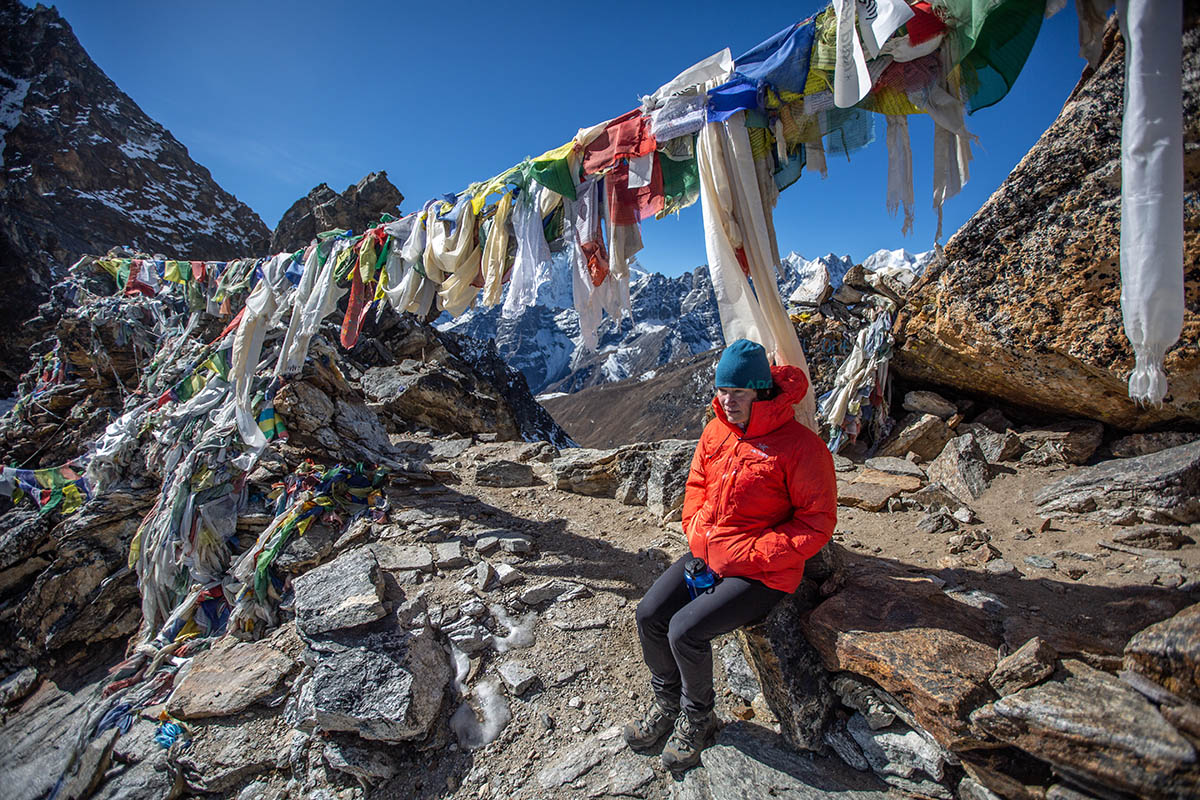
(744, 365)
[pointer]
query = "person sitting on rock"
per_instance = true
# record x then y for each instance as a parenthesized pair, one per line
(761, 499)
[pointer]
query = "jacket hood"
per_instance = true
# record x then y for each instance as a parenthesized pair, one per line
(767, 415)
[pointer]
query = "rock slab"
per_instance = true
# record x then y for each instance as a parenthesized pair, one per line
(790, 673)
(1162, 487)
(749, 763)
(932, 653)
(387, 688)
(233, 675)
(342, 593)
(1087, 723)
(1168, 653)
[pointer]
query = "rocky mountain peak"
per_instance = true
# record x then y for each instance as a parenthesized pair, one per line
(323, 209)
(84, 168)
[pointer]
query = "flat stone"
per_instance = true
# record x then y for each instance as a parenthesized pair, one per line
(342, 593)
(923, 434)
(904, 482)
(896, 466)
(929, 403)
(486, 544)
(843, 464)
(517, 676)
(1154, 537)
(867, 496)
(1162, 487)
(1031, 662)
(515, 543)
(507, 574)
(1142, 444)
(1168, 653)
(449, 555)
(961, 468)
(17, 686)
(484, 572)
(395, 557)
(388, 688)
(898, 752)
(1086, 722)
(580, 759)
(1040, 562)
(361, 762)
(233, 675)
(746, 762)
(999, 566)
(930, 652)
(504, 474)
(544, 591)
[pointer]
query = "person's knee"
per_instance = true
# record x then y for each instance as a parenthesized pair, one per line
(651, 616)
(683, 637)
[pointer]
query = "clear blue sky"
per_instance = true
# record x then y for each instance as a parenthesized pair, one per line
(276, 97)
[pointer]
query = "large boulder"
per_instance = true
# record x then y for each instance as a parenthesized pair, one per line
(233, 675)
(440, 397)
(932, 653)
(1027, 304)
(1162, 487)
(1095, 728)
(415, 374)
(387, 686)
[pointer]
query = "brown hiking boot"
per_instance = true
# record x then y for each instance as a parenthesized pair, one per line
(691, 736)
(645, 733)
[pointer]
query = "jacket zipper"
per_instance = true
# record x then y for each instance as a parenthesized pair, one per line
(723, 496)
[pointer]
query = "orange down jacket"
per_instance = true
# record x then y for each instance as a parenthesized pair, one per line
(762, 501)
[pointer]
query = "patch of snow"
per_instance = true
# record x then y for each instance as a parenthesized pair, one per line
(550, 396)
(12, 103)
(147, 148)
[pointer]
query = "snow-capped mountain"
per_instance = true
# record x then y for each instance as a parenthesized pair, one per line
(672, 318)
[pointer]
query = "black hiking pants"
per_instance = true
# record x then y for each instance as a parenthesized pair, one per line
(676, 632)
